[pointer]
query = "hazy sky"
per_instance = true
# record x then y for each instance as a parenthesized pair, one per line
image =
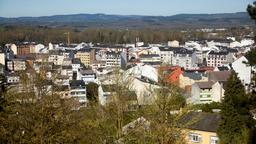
(16, 8)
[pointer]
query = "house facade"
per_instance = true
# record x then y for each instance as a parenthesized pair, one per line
(16, 65)
(166, 54)
(204, 128)
(84, 56)
(77, 90)
(184, 58)
(243, 70)
(218, 58)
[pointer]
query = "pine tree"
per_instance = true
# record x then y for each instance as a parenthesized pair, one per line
(236, 121)
(251, 9)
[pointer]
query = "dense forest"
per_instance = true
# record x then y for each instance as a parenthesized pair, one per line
(15, 34)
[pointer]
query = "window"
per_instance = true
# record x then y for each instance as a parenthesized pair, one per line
(214, 140)
(194, 137)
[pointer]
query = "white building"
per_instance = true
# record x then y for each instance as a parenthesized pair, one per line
(218, 58)
(67, 71)
(77, 90)
(56, 59)
(105, 93)
(243, 70)
(184, 58)
(87, 76)
(37, 48)
(2, 58)
(12, 79)
(166, 54)
(174, 43)
(16, 65)
(150, 58)
(76, 65)
(112, 59)
(206, 92)
(14, 49)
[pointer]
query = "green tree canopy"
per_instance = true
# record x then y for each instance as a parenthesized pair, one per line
(236, 120)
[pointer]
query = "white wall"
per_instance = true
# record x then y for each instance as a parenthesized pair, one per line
(2, 58)
(243, 71)
(14, 49)
(217, 92)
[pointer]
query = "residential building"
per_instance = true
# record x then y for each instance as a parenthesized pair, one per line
(172, 74)
(56, 59)
(173, 43)
(166, 54)
(218, 58)
(37, 48)
(211, 90)
(112, 59)
(184, 58)
(222, 68)
(87, 76)
(12, 78)
(76, 65)
(201, 127)
(243, 70)
(105, 93)
(77, 90)
(16, 65)
(84, 56)
(2, 58)
(150, 58)
(201, 92)
(219, 76)
(98, 65)
(24, 49)
(188, 78)
(67, 61)
(14, 49)
(67, 71)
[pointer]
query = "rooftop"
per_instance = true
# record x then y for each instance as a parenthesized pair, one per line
(193, 75)
(149, 55)
(218, 53)
(205, 85)
(219, 76)
(183, 51)
(77, 83)
(201, 121)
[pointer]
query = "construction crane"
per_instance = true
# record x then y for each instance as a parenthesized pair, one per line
(68, 37)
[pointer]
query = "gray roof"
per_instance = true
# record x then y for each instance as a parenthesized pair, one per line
(169, 48)
(218, 52)
(205, 85)
(149, 55)
(193, 75)
(76, 61)
(223, 68)
(183, 51)
(67, 67)
(201, 121)
(219, 76)
(88, 72)
(77, 83)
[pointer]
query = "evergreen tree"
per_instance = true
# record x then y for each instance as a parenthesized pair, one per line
(251, 9)
(92, 92)
(236, 121)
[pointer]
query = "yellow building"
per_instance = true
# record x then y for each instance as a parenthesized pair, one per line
(85, 57)
(201, 128)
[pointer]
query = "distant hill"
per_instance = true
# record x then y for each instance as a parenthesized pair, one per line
(133, 21)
